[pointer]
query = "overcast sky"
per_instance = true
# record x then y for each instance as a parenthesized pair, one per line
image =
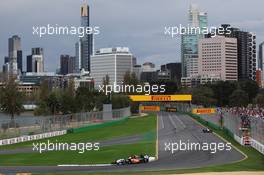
(137, 24)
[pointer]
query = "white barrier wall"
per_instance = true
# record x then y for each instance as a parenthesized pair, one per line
(257, 145)
(238, 139)
(32, 137)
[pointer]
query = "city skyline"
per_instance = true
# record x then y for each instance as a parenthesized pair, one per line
(147, 41)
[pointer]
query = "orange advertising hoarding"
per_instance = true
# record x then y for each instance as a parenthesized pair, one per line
(204, 111)
(142, 98)
(149, 108)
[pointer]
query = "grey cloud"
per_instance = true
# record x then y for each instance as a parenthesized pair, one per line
(138, 24)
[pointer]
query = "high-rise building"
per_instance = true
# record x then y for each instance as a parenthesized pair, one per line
(261, 56)
(29, 63)
(149, 72)
(35, 61)
(218, 58)
(20, 60)
(137, 69)
(84, 47)
(114, 62)
(259, 77)
(15, 54)
(66, 64)
(246, 52)
(175, 70)
(189, 42)
(6, 60)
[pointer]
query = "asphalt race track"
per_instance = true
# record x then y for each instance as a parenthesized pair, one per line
(172, 128)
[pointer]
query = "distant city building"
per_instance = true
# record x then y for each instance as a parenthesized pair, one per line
(189, 42)
(28, 89)
(36, 78)
(149, 72)
(134, 60)
(148, 67)
(14, 54)
(35, 61)
(164, 75)
(192, 65)
(66, 64)
(259, 76)
(218, 57)
(83, 81)
(199, 80)
(20, 61)
(175, 70)
(246, 52)
(6, 67)
(147, 77)
(6, 59)
(261, 56)
(114, 62)
(84, 47)
(29, 63)
(137, 69)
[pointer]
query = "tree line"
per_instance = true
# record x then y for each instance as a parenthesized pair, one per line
(227, 94)
(85, 99)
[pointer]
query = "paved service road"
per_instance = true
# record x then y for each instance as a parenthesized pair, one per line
(173, 127)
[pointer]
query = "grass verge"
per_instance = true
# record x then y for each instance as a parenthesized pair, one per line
(105, 155)
(254, 162)
(128, 127)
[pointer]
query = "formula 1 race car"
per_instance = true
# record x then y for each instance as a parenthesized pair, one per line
(120, 162)
(134, 160)
(207, 130)
(138, 159)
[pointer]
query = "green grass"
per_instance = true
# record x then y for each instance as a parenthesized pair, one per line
(128, 127)
(254, 162)
(105, 155)
(146, 126)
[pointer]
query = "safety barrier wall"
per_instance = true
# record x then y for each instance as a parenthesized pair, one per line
(46, 124)
(257, 145)
(32, 137)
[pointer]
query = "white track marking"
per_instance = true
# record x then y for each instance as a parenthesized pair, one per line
(184, 126)
(173, 123)
(162, 122)
(91, 165)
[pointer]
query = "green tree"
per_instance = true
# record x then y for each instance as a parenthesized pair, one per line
(11, 99)
(53, 103)
(44, 91)
(67, 99)
(67, 103)
(203, 96)
(259, 100)
(222, 91)
(239, 98)
(251, 87)
(100, 100)
(85, 98)
(120, 101)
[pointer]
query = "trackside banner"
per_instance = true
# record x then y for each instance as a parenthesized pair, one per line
(204, 111)
(149, 108)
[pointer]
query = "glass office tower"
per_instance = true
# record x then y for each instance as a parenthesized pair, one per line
(189, 42)
(84, 47)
